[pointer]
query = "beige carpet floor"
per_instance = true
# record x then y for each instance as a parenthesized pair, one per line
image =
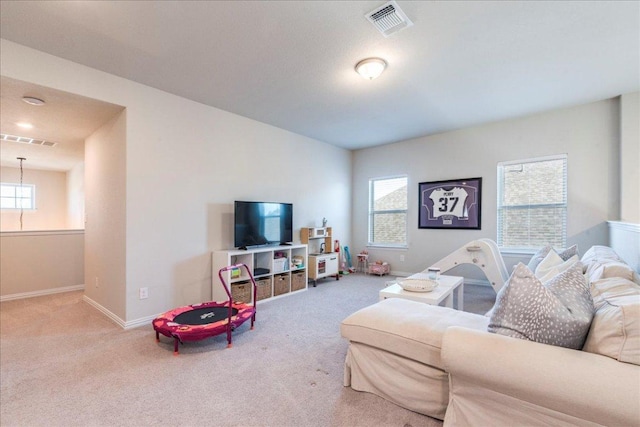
(62, 363)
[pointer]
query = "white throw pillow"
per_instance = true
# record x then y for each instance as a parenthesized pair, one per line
(538, 257)
(548, 263)
(552, 265)
(544, 251)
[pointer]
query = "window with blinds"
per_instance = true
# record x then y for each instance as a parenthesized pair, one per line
(532, 202)
(388, 211)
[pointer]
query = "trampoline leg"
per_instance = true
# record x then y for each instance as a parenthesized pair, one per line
(175, 347)
(157, 336)
(229, 345)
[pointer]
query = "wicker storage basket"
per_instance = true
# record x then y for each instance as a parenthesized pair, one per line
(297, 281)
(280, 284)
(263, 288)
(241, 291)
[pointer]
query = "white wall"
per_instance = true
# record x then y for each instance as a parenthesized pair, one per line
(589, 134)
(630, 157)
(105, 210)
(75, 197)
(185, 165)
(40, 262)
(51, 196)
(624, 238)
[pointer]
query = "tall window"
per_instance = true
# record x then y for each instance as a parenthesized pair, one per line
(388, 211)
(16, 196)
(532, 202)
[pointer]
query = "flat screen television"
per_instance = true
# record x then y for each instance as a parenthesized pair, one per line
(262, 223)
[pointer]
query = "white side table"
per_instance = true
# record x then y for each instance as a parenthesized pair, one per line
(443, 292)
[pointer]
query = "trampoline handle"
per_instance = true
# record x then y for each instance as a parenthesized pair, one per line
(227, 288)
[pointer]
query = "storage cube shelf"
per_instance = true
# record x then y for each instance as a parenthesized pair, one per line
(272, 270)
(281, 284)
(298, 281)
(241, 291)
(264, 290)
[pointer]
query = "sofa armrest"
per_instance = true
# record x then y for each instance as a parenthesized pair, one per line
(580, 384)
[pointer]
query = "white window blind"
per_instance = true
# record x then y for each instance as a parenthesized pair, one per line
(388, 211)
(532, 202)
(17, 196)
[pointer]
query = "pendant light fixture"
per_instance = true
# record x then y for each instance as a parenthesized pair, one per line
(21, 174)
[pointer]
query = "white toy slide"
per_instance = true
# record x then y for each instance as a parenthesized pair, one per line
(483, 253)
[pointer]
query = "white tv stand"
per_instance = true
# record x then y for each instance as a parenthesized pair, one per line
(272, 272)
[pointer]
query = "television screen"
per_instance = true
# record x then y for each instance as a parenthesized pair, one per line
(262, 223)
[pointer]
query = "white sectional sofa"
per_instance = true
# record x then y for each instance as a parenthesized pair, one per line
(444, 363)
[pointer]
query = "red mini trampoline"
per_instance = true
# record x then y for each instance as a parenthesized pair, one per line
(199, 321)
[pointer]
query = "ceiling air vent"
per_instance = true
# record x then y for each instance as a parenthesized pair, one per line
(389, 18)
(27, 140)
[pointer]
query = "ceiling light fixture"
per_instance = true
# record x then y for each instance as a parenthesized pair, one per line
(371, 68)
(25, 125)
(33, 101)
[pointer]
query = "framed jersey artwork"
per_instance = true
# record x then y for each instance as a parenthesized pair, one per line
(451, 204)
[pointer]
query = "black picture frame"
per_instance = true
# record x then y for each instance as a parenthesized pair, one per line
(453, 204)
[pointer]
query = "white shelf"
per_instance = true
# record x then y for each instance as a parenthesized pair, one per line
(258, 258)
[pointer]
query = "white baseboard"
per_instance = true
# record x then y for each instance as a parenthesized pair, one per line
(118, 321)
(51, 291)
(143, 321)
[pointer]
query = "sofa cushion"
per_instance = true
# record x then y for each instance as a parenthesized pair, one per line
(558, 312)
(612, 287)
(615, 329)
(603, 269)
(597, 252)
(407, 328)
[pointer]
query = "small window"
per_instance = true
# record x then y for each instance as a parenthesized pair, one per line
(388, 212)
(17, 196)
(532, 202)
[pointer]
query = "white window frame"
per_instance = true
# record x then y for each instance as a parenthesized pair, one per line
(372, 214)
(16, 205)
(501, 207)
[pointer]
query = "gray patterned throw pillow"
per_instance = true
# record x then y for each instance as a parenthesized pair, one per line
(558, 312)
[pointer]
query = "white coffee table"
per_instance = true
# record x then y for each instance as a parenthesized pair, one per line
(443, 292)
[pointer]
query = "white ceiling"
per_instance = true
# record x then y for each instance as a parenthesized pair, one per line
(66, 120)
(291, 63)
